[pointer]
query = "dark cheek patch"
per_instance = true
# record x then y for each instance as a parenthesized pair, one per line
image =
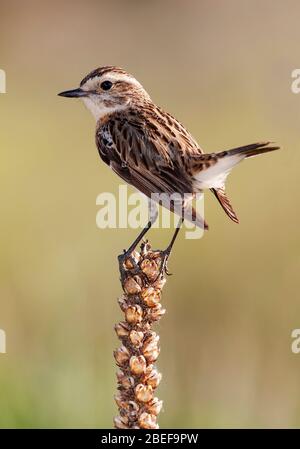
(108, 103)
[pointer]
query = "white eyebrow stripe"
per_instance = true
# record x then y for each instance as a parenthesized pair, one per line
(89, 84)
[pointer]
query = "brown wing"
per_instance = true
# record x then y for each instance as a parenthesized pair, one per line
(146, 152)
(142, 151)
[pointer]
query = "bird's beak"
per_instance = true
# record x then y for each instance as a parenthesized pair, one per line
(75, 93)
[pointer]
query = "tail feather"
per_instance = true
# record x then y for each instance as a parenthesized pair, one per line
(211, 170)
(245, 151)
(221, 196)
(251, 150)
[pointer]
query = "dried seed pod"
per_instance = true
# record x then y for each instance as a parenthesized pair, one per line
(151, 296)
(132, 410)
(153, 378)
(121, 422)
(152, 356)
(125, 381)
(133, 406)
(150, 269)
(121, 355)
(135, 256)
(159, 283)
(120, 401)
(151, 336)
(156, 255)
(150, 348)
(137, 364)
(154, 407)
(136, 337)
(132, 285)
(149, 369)
(147, 421)
(144, 393)
(123, 303)
(156, 312)
(122, 329)
(134, 314)
(147, 291)
(146, 327)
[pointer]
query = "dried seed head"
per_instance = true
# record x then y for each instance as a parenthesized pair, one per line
(132, 410)
(122, 329)
(120, 401)
(128, 262)
(154, 407)
(152, 355)
(123, 303)
(156, 312)
(153, 378)
(146, 327)
(138, 378)
(121, 355)
(147, 421)
(125, 381)
(149, 369)
(133, 406)
(121, 422)
(146, 291)
(137, 364)
(152, 336)
(127, 408)
(134, 314)
(136, 338)
(159, 283)
(144, 393)
(150, 269)
(151, 296)
(150, 348)
(132, 285)
(156, 255)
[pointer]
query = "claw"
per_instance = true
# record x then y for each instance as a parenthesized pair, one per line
(163, 269)
(122, 258)
(132, 271)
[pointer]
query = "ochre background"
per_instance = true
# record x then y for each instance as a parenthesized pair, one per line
(224, 69)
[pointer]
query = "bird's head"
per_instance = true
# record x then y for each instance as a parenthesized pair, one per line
(107, 90)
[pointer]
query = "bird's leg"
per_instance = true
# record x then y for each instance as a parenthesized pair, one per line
(166, 253)
(127, 255)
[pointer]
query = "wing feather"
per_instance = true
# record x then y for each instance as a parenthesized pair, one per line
(142, 155)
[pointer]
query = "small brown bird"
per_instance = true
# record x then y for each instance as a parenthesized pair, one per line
(149, 149)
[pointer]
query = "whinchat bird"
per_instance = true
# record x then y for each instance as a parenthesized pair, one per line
(151, 150)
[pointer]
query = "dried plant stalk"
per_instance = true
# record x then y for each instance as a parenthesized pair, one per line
(138, 378)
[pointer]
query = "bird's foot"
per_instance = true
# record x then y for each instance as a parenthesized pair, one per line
(127, 264)
(163, 269)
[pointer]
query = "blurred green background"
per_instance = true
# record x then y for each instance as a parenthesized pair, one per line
(224, 69)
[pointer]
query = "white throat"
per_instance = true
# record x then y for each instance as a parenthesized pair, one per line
(100, 110)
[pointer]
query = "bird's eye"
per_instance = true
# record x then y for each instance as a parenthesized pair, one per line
(106, 85)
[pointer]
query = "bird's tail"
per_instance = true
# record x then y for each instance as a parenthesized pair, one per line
(211, 170)
(221, 196)
(251, 150)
